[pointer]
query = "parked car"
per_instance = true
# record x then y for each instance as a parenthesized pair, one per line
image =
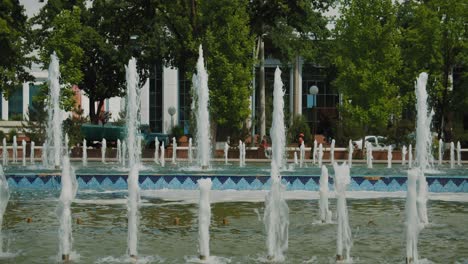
(376, 141)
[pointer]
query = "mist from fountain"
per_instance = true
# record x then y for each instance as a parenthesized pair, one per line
(203, 135)
(458, 153)
(204, 218)
(295, 158)
(133, 124)
(404, 152)
(66, 144)
(320, 155)
(174, 150)
(350, 153)
(325, 213)
(241, 153)
(413, 224)
(53, 142)
(67, 195)
(33, 150)
(301, 155)
(84, 153)
(4, 197)
(15, 150)
(226, 152)
(332, 152)
(162, 160)
(103, 150)
(452, 155)
(389, 157)
(156, 150)
(276, 216)
(23, 145)
(344, 240)
(5, 152)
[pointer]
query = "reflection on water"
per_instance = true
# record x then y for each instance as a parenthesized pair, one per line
(377, 226)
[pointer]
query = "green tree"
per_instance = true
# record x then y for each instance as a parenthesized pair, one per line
(435, 41)
(367, 57)
(222, 27)
(14, 48)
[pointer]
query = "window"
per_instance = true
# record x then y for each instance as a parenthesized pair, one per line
(185, 102)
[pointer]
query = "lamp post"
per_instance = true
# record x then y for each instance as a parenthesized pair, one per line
(313, 90)
(172, 110)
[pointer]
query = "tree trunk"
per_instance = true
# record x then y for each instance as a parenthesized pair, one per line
(297, 92)
(92, 111)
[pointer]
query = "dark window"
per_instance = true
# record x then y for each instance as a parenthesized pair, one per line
(15, 105)
(155, 100)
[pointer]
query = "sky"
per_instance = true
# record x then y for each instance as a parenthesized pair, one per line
(32, 6)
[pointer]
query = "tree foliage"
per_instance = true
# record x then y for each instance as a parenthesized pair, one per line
(435, 41)
(14, 48)
(367, 57)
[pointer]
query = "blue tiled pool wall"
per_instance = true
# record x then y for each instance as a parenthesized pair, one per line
(189, 182)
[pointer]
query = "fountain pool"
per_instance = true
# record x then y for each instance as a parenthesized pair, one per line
(377, 226)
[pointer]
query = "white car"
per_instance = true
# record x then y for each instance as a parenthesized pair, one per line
(376, 142)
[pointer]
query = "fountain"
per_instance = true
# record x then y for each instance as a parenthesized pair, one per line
(241, 153)
(33, 150)
(458, 153)
(133, 123)
(200, 84)
(441, 144)
(413, 225)
(84, 153)
(53, 142)
(343, 241)
(15, 150)
(190, 151)
(314, 153)
(410, 156)
(124, 153)
(320, 155)
(369, 155)
(332, 152)
(226, 150)
(44, 154)
(23, 147)
(156, 150)
(403, 155)
(5, 152)
(302, 155)
(204, 218)
(66, 144)
(4, 197)
(67, 195)
(295, 158)
(389, 157)
(350, 153)
(276, 217)
(325, 213)
(103, 150)
(452, 155)
(119, 151)
(423, 143)
(163, 157)
(174, 150)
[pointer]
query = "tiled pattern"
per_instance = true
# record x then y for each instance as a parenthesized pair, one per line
(189, 182)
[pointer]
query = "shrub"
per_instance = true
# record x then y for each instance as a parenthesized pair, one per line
(299, 125)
